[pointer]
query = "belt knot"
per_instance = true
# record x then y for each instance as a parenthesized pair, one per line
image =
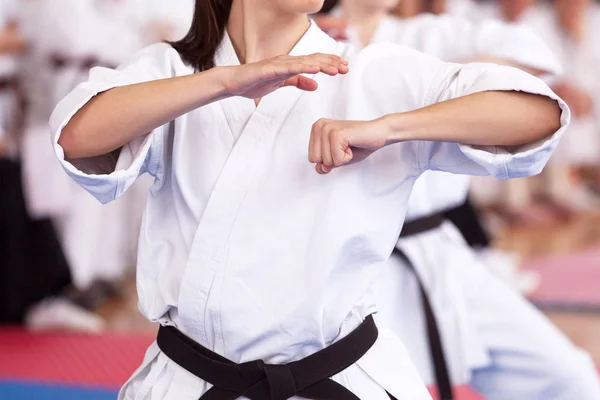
(279, 378)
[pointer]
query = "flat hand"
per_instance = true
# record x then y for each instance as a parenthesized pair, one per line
(256, 80)
(335, 143)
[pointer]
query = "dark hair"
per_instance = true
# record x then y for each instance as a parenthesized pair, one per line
(329, 5)
(199, 46)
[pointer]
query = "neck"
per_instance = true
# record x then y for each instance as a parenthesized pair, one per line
(364, 19)
(513, 15)
(259, 33)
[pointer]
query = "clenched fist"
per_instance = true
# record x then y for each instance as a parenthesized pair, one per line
(335, 143)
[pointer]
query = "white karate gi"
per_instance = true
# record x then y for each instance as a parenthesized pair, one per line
(99, 242)
(244, 247)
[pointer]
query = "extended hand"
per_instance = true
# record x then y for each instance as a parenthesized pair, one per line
(256, 80)
(335, 143)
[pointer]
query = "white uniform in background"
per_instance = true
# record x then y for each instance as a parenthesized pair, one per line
(460, 8)
(9, 13)
(581, 61)
(512, 349)
(246, 249)
(66, 36)
(177, 14)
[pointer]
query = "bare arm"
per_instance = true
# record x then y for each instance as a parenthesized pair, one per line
(492, 118)
(131, 111)
(480, 119)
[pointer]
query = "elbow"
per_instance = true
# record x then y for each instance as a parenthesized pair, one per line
(544, 115)
(552, 115)
(69, 140)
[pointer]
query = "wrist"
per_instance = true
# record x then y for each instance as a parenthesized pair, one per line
(219, 79)
(395, 127)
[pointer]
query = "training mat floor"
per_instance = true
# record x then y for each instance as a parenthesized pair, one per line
(54, 366)
(570, 282)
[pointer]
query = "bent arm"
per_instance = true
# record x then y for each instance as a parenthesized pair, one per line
(131, 111)
(494, 118)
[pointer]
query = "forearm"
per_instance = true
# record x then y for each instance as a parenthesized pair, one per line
(481, 119)
(117, 116)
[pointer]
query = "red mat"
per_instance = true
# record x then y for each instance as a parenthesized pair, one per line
(82, 360)
(570, 282)
(99, 361)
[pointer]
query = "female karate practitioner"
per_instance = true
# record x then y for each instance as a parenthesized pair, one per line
(438, 255)
(258, 267)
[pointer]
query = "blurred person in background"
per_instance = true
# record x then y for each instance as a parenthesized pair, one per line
(435, 285)
(67, 38)
(167, 20)
(412, 8)
(32, 264)
(571, 181)
(571, 29)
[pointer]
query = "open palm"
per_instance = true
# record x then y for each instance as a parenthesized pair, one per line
(256, 80)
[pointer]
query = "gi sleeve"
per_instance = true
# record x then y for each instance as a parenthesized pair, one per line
(462, 39)
(394, 79)
(455, 81)
(107, 177)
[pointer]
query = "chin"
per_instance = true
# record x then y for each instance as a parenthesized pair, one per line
(390, 4)
(381, 4)
(305, 6)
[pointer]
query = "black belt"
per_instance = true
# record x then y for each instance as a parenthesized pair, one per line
(421, 225)
(7, 83)
(436, 347)
(308, 378)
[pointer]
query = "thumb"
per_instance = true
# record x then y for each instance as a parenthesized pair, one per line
(359, 155)
(302, 83)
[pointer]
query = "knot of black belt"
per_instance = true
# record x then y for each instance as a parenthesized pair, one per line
(256, 380)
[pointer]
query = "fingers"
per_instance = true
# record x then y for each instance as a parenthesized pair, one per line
(302, 83)
(314, 146)
(327, 160)
(329, 147)
(341, 153)
(316, 63)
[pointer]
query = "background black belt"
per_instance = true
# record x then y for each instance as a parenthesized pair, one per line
(436, 347)
(60, 61)
(8, 83)
(308, 378)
